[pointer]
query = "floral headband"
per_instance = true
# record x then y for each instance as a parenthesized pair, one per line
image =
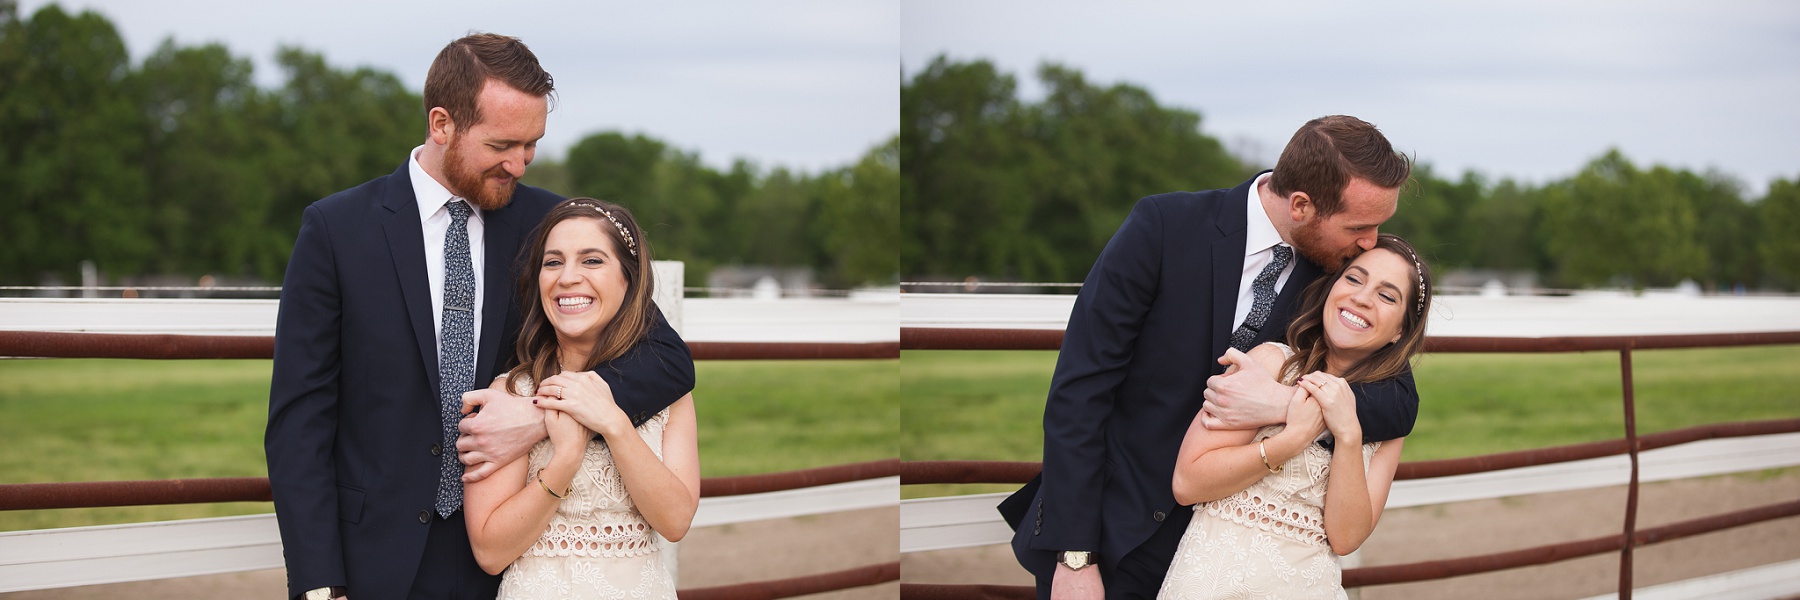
(1420, 273)
(630, 243)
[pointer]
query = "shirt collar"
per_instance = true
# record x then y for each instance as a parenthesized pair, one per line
(429, 194)
(1260, 231)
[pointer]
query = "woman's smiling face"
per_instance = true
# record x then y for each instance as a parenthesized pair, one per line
(580, 281)
(1367, 305)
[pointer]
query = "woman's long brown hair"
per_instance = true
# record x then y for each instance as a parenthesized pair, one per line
(1307, 333)
(536, 351)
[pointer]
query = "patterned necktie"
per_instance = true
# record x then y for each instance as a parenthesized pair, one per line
(1262, 290)
(456, 351)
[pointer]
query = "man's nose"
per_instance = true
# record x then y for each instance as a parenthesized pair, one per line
(1367, 242)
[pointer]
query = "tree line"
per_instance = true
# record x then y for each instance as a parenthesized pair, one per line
(182, 165)
(1004, 189)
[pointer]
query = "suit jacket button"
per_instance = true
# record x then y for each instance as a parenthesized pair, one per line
(437, 450)
(424, 516)
(1159, 516)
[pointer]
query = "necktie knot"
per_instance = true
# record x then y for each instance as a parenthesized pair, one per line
(1282, 255)
(459, 210)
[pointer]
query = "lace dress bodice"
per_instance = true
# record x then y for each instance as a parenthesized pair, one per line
(597, 545)
(1267, 541)
(597, 519)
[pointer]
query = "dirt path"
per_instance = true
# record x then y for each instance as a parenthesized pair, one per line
(721, 555)
(1486, 526)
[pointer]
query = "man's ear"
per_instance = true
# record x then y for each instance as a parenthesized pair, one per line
(1300, 207)
(440, 127)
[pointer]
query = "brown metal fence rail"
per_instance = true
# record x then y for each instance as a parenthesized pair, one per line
(918, 472)
(32, 496)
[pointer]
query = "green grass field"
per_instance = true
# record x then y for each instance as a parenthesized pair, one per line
(103, 420)
(989, 405)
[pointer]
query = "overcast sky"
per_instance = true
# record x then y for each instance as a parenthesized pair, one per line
(805, 84)
(1529, 89)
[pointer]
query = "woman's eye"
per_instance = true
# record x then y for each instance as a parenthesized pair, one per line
(593, 262)
(1389, 298)
(1352, 279)
(552, 263)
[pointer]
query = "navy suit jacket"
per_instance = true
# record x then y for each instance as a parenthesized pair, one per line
(353, 430)
(1148, 327)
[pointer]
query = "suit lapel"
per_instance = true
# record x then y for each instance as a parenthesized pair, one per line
(406, 243)
(1228, 264)
(500, 235)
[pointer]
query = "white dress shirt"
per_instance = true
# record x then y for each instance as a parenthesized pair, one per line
(1259, 246)
(435, 219)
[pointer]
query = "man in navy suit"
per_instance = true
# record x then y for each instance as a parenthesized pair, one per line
(1155, 317)
(362, 450)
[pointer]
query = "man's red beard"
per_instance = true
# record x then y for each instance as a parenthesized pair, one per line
(1309, 239)
(473, 186)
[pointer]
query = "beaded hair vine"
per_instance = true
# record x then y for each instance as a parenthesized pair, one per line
(1420, 272)
(630, 244)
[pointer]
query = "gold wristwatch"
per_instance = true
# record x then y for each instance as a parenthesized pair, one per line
(324, 593)
(1075, 560)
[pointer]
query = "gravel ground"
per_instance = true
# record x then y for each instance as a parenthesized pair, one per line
(710, 556)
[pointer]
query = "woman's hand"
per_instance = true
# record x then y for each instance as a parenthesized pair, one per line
(1304, 414)
(586, 397)
(1337, 403)
(566, 433)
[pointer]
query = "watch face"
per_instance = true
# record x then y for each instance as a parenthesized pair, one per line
(1075, 560)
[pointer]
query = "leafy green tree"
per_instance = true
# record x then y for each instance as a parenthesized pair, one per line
(999, 188)
(768, 224)
(1727, 228)
(962, 207)
(1500, 230)
(71, 149)
(206, 161)
(337, 129)
(1613, 223)
(614, 167)
(1779, 212)
(1430, 214)
(859, 218)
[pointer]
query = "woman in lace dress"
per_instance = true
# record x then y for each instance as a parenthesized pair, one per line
(1273, 508)
(578, 516)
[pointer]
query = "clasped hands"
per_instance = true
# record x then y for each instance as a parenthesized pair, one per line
(569, 407)
(1248, 396)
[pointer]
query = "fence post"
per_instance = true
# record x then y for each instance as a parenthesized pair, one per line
(669, 276)
(1631, 495)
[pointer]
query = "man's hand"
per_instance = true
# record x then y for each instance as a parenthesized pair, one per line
(1077, 585)
(503, 431)
(1245, 397)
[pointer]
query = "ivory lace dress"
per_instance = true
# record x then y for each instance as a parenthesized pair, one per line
(1267, 541)
(598, 545)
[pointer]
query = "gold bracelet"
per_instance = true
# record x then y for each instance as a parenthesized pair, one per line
(546, 486)
(1259, 450)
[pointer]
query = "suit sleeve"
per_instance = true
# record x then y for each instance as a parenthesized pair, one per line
(303, 412)
(1097, 348)
(1387, 408)
(653, 374)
